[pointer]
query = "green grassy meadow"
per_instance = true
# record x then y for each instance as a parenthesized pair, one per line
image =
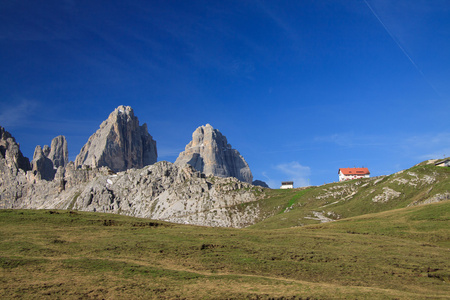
(397, 254)
(340, 200)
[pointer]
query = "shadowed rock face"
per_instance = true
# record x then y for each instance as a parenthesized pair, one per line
(41, 165)
(210, 153)
(120, 143)
(260, 183)
(46, 160)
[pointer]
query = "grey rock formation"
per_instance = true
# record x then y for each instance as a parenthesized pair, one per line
(260, 183)
(120, 143)
(13, 168)
(45, 150)
(59, 153)
(10, 151)
(210, 153)
(46, 160)
(161, 191)
(41, 165)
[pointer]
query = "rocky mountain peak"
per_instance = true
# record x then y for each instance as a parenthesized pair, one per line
(59, 153)
(41, 165)
(210, 153)
(120, 143)
(10, 151)
(47, 159)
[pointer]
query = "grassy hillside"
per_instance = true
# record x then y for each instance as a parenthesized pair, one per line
(398, 254)
(417, 185)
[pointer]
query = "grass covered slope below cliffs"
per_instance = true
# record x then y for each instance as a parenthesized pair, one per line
(401, 254)
(421, 184)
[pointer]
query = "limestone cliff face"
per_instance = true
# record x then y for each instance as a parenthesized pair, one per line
(46, 160)
(120, 143)
(161, 191)
(10, 151)
(210, 153)
(41, 165)
(13, 168)
(59, 153)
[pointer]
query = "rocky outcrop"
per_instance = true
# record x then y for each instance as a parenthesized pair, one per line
(260, 183)
(162, 191)
(10, 152)
(13, 168)
(120, 143)
(41, 165)
(388, 194)
(59, 153)
(46, 160)
(210, 153)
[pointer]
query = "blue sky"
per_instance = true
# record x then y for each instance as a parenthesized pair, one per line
(300, 88)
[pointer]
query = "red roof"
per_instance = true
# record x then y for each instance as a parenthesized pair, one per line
(354, 171)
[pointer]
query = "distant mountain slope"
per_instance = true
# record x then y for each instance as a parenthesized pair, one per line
(421, 184)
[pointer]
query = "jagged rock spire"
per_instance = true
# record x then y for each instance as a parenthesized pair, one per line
(210, 153)
(59, 153)
(47, 159)
(42, 166)
(120, 143)
(10, 151)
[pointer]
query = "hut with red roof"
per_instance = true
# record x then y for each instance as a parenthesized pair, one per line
(353, 173)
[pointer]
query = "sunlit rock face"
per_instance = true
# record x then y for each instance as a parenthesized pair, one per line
(10, 152)
(120, 143)
(46, 160)
(59, 153)
(161, 191)
(210, 153)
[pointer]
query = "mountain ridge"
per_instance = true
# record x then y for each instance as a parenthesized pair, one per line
(181, 193)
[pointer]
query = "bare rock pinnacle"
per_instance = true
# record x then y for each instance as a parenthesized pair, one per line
(41, 165)
(46, 160)
(120, 143)
(59, 153)
(210, 153)
(10, 151)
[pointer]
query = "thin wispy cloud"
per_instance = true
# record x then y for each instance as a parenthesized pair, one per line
(399, 45)
(348, 139)
(428, 146)
(272, 183)
(42, 21)
(441, 153)
(416, 146)
(166, 152)
(280, 22)
(17, 113)
(296, 172)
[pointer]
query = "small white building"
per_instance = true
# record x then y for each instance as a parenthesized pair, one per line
(287, 185)
(353, 173)
(443, 163)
